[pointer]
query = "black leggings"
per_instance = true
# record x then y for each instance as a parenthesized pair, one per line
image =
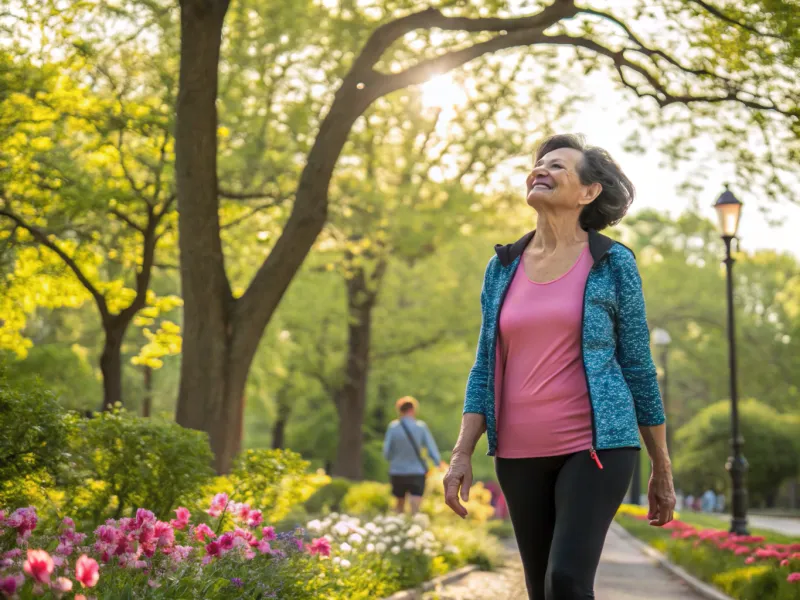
(561, 508)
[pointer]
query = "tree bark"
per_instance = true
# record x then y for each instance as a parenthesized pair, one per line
(147, 401)
(111, 365)
(351, 399)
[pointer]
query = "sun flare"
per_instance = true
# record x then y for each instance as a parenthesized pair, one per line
(442, 92)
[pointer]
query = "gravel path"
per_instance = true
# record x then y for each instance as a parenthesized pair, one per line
(625, 574)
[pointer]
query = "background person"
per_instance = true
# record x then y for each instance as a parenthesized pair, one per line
(563, 381)
(402, 447)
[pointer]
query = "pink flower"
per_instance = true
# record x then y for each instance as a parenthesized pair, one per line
(80, 597)
(87, 571)
(165, 535)
(242, 511)
(203, 531)
(785, 562)
(255, 518)
(226, 541)
(268, 533)
(213, 549)
(144, 517)
(9, 585)
(64, 548)
(320, 546)
(793, 577)
(183, 515)
(39, 566)
(749, 560)
(218, 505)
(181, 553)
(16, 552)
(62, 585)
(249, 555)
(264, 547)
(24, 521)
(68, 523)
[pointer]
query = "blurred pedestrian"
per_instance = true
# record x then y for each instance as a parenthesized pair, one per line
(402, 447)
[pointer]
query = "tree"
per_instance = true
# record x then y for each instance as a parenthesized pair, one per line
(771, 449)
(222, 331)
(86, 138)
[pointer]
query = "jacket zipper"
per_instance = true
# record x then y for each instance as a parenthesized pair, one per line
(592, 451)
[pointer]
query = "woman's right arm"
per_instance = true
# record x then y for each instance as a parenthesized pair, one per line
(459, 475)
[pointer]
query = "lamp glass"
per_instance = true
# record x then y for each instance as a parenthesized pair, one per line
(661, 337)
(728, 214)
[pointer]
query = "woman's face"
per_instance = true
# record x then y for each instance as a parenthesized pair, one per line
(554, 182)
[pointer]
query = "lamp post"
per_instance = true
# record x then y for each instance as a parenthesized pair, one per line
(729, 209)
(662, 340)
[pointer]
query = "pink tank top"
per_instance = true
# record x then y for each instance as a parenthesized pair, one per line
(542, 402)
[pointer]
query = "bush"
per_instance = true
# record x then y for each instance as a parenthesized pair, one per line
(704, 445)
(275, 479)
(479, 507)
(368, 498)
(33, 441)
(329, 497)
(122, 461)
(502, 529)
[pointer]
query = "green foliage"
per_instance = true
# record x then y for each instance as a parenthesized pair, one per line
(368, 498)
(771, 448)
(33, 441)
(122, 462)
(274, 479)
(329, 497)
(502, 528)
(472, 544)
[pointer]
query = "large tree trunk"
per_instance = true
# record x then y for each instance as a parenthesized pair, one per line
(351, 400)
(206, 292)
(111, 365)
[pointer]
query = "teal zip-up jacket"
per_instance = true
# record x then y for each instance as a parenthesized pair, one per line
(615, 343)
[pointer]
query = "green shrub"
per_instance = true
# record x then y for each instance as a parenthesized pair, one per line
(278, 480)
(501, 528)
(329, 497)
(471, 543)
(33, 441)
(368, 498)
(122, 462)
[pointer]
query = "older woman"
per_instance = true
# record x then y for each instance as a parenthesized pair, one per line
(564, 382)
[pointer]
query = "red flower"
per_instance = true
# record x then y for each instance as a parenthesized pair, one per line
(39, 566)
(87, 571)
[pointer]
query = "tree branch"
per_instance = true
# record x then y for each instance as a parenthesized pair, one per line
(660, 94)
(126, 219)
(43, 239)
(231, 195)
(728, 19)
(251, 212)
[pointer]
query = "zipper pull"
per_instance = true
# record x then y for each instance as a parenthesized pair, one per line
(595, 458)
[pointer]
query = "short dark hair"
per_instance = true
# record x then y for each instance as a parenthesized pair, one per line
(404, 408)
(597, 166)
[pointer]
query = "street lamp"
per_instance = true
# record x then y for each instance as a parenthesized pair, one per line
(662, 340)
(729, 209)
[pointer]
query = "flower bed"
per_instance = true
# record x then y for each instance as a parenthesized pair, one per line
(744, 567)
(227, 552)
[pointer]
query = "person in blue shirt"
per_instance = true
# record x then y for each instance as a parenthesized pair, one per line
(405, 439)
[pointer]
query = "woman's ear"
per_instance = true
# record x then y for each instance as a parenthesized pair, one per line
(592, 192)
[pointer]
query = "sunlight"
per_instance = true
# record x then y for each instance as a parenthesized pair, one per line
(442, 92)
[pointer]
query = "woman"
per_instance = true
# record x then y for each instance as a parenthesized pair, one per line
(563, 381)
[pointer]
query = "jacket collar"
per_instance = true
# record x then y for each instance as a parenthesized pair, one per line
(599, 244)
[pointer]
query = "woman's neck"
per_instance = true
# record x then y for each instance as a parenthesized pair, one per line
(554, 232)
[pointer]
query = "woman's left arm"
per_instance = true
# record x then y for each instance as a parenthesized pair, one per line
(636, 361)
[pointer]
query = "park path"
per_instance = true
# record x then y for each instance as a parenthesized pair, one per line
(785, 525)
(625, 574)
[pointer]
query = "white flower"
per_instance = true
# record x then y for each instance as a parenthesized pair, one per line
(409, 545)
(337, 560)
(345, 564)
(380, 547)
(355, 539)
(451, 549)
(422, 520)
(395, 549)
(329, 537)
(370, 547)
(341, 528)
(315, 526)
(345, 547)
(414, 531)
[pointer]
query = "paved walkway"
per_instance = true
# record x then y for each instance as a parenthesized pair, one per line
(625, 574)
(784, 525)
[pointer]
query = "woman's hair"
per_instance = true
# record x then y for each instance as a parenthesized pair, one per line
(597, 166)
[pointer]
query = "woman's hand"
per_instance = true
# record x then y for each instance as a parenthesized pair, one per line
(458, 478)
(661, 496)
